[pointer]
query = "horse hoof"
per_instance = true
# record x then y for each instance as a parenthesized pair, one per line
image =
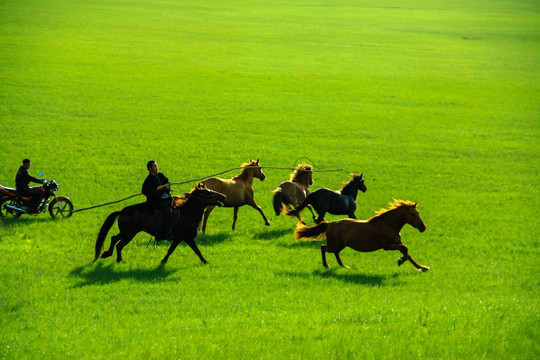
(424, 268)
(267, 223)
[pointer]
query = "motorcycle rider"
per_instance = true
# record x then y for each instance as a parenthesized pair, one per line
(156, 188)
(21, 184)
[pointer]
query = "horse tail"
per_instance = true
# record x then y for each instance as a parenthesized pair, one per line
(277, 200)
(296, 211)
(315, 232)
(103, 232)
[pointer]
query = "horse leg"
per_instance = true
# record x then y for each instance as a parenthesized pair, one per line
(417, 265)
(125, 240)
(312, 213)
(321, 217)
(339, 260)
(323, 252)
(235, 216)
(193, 245)
(405, 251)
(114, 239)
(173, 246)
(206, 215)
(255, 206)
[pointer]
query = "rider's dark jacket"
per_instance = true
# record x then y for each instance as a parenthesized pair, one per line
(149, 187)
(23, 178)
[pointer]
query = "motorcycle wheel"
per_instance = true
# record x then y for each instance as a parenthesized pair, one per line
(5, 212)
(62, 208)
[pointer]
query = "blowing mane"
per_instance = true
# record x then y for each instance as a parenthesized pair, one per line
(396, 204)
(348, 184)
(249, 163)
(301, 171)
(179, 200)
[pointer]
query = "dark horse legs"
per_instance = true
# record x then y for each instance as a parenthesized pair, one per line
(192, 244)
(324, 250)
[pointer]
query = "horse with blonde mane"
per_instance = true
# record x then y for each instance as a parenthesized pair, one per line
(293, 192)
(380, 232)
(238, 190)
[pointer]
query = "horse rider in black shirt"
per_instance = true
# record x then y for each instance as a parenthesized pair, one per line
(21, 184)
(156, 188)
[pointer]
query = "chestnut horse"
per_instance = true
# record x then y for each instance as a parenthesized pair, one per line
(140, 217)
(341, 202)
(293, 192)
(238, 190)
(380, 232)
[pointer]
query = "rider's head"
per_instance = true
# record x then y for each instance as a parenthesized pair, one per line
(26, 163)
(152, 166)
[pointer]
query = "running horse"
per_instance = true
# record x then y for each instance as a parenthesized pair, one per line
(238, 190)
(380, 232)
(140, 217)
(293, 192)
(341, 202)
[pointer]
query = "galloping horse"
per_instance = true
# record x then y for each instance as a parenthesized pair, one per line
(293, 192)
(140, 217)
(379, 232)
(341, 202)
(238, 190)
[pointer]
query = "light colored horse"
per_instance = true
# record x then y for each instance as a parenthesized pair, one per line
(238, 190)
(293, 192)
(380, 232)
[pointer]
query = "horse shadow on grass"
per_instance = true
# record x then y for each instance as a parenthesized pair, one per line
(347, 276)
(100, 274)
(271, 234)
(212, 239)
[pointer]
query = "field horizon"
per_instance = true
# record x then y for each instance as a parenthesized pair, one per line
(435, 103)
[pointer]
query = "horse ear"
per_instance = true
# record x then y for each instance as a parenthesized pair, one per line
(257, 162)
(415, 204)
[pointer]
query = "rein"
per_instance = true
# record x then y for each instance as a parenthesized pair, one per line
(204, 178)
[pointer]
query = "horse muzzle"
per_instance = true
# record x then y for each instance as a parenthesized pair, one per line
(422, 228)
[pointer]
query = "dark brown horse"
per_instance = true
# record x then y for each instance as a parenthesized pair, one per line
(238, 190)
(140, 217)
(380, 232)
(341, 202)
(293, 192)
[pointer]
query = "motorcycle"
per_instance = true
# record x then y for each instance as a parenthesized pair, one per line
(14, 205)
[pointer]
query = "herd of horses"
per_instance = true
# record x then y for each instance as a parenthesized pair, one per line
(190, 210)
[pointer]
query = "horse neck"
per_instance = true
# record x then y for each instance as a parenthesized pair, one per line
(394, 220)
(350, 190)
(246, 176)
(192, 208)
(304, 180)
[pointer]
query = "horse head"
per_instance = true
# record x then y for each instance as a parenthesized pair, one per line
(359, 181)
(256, 169)
(207, 197)
(412, 217)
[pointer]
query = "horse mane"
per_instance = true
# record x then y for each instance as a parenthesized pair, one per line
(395, 205)
(348, 184)
(249, 163)
(180, 200)
(300, 171)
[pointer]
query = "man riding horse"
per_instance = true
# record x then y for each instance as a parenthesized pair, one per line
(157, 189)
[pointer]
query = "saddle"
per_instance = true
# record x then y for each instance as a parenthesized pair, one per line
(177, 202)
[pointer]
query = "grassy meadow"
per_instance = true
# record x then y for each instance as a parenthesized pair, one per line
(434, 101)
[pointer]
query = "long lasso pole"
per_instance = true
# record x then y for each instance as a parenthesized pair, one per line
(202, 178)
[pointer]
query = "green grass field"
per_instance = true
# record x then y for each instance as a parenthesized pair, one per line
(435, 101)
